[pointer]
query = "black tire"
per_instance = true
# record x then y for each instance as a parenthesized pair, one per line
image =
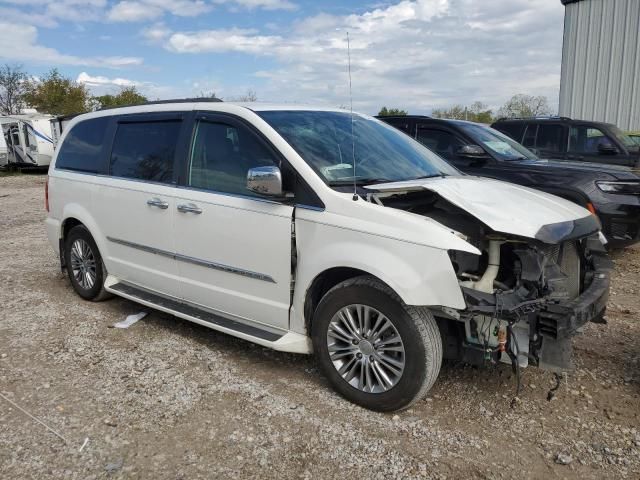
(416, 326)
(96, 291)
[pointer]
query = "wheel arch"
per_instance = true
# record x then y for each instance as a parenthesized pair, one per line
(74, 215)
(325, 281)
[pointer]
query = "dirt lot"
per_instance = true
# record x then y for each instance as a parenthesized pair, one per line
(169, 399)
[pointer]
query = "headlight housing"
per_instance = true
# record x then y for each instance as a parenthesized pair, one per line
(625, 188)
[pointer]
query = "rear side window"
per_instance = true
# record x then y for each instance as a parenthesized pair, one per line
(400, 125)
(549, 137)
(443, 143)
(145, 150)
(82, 148)
(514, 130)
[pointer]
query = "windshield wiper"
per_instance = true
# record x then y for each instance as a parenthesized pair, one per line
(433, 175)
(358, 181)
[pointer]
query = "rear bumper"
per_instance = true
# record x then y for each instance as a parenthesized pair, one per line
(53, 229)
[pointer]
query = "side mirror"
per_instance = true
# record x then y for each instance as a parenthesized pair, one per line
(607, 148)
(471, 151)
(265, 181)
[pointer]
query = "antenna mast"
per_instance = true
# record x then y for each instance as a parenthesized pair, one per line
(353, 140)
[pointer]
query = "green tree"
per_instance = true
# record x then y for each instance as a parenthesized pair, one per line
(476, 112)
(56, 95)
(388, 112)
(12, 89)
(126, 96)
(522, 105)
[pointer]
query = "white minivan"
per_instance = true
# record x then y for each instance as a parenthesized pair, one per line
(316, 230)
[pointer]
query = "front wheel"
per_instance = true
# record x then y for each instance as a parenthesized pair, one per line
(375, 350)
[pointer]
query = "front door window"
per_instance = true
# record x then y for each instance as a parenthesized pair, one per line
(222, 155)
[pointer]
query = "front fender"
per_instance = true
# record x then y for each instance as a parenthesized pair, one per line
(419, 274)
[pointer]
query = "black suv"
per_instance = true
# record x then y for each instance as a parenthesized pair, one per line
(609, 191)
(562, 138)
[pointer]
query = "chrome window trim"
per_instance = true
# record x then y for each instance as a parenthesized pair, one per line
(228, 194)
(195, 261)
(184, 187)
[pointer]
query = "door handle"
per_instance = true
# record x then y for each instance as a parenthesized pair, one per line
(189, 208)
(156, 202)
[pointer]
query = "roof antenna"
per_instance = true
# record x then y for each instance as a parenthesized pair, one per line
(353, 140)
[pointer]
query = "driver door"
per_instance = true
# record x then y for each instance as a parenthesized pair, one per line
(584, 142)
(445, 144)
(233, 245)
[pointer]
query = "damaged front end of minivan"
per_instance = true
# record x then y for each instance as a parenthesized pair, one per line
(527, 295)
(526, 299)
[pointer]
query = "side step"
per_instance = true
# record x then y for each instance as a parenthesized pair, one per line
(192, 313)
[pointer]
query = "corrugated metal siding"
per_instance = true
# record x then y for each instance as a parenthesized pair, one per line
(600, 77)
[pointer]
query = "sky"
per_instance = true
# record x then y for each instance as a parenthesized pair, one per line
(415, 55)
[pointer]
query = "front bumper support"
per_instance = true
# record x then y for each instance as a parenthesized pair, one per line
(559, 320)
(553, 323)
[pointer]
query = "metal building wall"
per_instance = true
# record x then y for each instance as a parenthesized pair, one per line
(600, 77)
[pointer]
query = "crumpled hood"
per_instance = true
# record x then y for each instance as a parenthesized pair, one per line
(506, 207)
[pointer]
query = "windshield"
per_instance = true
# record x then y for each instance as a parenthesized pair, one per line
(382, 153)
(625, 139)
(502, 146)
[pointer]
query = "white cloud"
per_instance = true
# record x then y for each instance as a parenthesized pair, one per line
(101, 85)
(416, 55)
(13, 15)
(156, 33)
(237, 40)
(263, 4)
(140, 10)
(47, 13)
(100, 81)
(133, 12)
(20, 43)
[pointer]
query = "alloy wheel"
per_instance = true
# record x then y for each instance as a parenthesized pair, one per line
(83, 264)
(365, 348)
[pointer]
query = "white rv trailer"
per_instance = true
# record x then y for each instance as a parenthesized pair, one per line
(58, 124)
(28, 139)
(4, 151)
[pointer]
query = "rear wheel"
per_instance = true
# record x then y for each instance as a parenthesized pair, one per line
(84, 264)
(375, 350)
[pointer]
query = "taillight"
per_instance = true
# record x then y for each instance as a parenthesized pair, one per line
(46, 194)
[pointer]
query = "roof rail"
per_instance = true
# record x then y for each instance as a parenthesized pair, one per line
(536, 117)
(171, 100)
(402, 116)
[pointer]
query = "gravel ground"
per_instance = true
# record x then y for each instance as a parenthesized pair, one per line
(170, 399)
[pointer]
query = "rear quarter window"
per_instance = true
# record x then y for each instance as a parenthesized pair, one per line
(514, 130)
(82, 149)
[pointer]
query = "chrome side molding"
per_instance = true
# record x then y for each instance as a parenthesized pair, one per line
(196, 261)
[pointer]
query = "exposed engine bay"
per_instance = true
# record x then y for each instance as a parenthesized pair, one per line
(525, 297)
